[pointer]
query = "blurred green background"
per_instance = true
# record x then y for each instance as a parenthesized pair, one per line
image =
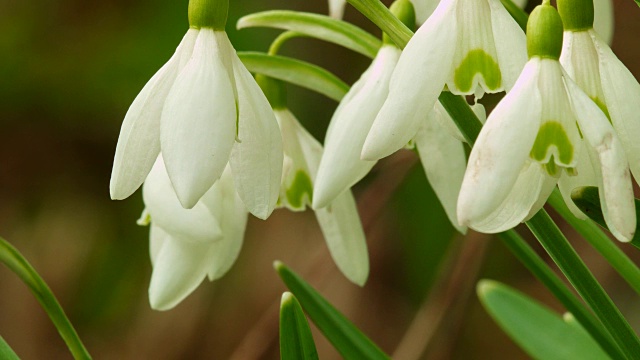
(69, 69)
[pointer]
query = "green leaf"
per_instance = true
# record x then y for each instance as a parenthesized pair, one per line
(6, 352)
(539, 331)
(587, 199)
(294, 71)
(12, 258)
(296, 341)
(317, 26)
(342, 333)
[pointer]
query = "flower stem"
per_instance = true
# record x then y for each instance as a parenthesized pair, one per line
(557, 246)
(532, 261)
(12, 258)
(600, 241)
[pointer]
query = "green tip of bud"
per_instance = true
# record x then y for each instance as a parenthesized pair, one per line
(544, 32)
(404, 11)
(274, 90)
(208, 14)
(577, 15)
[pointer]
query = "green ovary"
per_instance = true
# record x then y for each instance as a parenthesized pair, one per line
(300, 187)
(478, 62)
(552, 133)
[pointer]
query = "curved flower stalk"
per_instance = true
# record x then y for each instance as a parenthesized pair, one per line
(471, 47)
(531, 140)
(202, 110)
(339, 221)
(596, 69)
(187, 245)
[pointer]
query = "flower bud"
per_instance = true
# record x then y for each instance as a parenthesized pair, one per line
(274, 90)
(405, 12)
(577, 15)
(208, 14)
(544, 33)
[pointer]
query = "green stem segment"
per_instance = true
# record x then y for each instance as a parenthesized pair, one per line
(532, 261)
(12, 258)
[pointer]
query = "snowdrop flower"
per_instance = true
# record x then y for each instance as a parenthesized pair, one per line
(596, 69)
(341, 166)
(336, 8)
(544, 129)
(187, 245)
(339, 221)
(470, 46)
(202, 110)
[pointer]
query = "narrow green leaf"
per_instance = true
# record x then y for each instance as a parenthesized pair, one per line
(540, 332)
(587, 199)
(317, 26)
(342, 333)
(12, 258)
(294, 71)
(296, 341)
(6, 352)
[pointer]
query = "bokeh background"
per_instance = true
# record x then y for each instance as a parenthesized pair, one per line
(69, 69)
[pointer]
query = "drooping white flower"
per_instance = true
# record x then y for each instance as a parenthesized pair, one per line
(187, 245)
(470, 46)
(544, 129)
(339, 221)
(596, 69)
(202, 110)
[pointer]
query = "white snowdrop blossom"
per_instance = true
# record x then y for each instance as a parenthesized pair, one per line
(187, 245)
(471, 46)
(339, 221)
(545, 129)
(202, 110)
(596, 69)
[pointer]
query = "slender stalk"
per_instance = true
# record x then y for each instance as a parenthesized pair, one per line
(600, 241)
(530, 259)
(12, 258)
(584, 282)
(281, 39)
(380, 15)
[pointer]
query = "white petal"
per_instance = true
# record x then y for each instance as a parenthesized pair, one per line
(522, 200)
(622, 98)
(179, 268)
(609, 162)
(424, 9)
(198, 123)
(340, 224)
(603, 22)
(336, 8)
(139, 140)
(341, 166)
(415, 84)
(195, 224)
(256, 159)
(444, 162)
(502, 148)
(511, 44)
(157, 238)
(228, 209)
(585, 177)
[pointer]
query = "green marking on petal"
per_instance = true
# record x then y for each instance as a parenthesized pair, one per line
(478, 62)
(551, 167)
(602, 106)
(552, 133)
(300, 187)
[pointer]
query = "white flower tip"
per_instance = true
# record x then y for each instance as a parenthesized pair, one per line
(360, 277)
(118, 191)
(372, 152)
(321, 197)
(162, 300)
(262, 212)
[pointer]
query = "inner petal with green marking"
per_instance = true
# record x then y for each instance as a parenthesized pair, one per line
(299, 193)
(552, 144)
(478, 62)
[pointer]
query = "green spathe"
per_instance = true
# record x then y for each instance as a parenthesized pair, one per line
(552, 133)
(299, 188)
(208, 14)
(405, 12)
(478, 62)
(544, 33)
(577, 15)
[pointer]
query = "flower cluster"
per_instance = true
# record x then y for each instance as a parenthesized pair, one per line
(210, 147)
